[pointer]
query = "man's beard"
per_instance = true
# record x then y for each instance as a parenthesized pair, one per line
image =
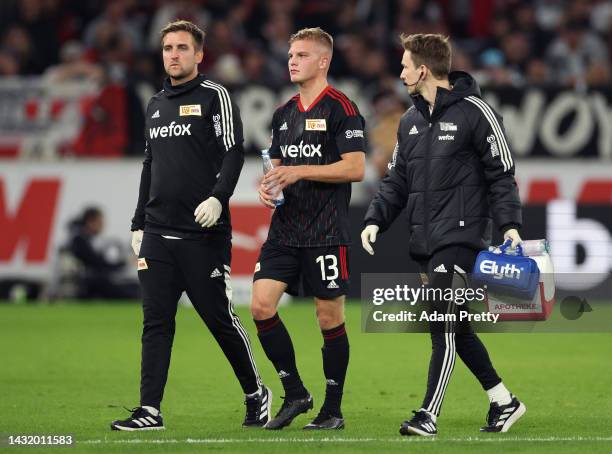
(413, 91)
(180, 75)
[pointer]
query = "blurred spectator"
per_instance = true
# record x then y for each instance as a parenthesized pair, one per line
(538, 73)
(537, 37)
(105, 131)
(237, 18)
(418, 16)
(549, 13)
(493, 71)
(573, 52)
(461, 60)
(222, 47)
(578, 11)
(501, 26)
(167, 11)
(97, 277)
(515, 47)
(277, 31)
(112, 49)
(289, 7)
(598, 74)
(469, 17)
(115, 23)
(601, 16)
(257, 68)
(18, 42)
(349, 15)
(115, 37)
(352, 48)
(227, 70)
(74, 66)
(374, 69)
(40, 21)
(9, 65)
(323, 13)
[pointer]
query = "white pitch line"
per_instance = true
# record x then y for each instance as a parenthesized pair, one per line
(347, 440)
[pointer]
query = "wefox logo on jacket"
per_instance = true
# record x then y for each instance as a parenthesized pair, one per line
(169, 131)
(301, 150)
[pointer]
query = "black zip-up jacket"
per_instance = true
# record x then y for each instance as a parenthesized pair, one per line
(193, 150)
(452, 171)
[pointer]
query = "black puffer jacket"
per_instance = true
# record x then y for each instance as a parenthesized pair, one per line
(452, 171)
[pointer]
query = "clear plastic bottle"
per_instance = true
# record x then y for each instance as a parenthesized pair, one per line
(267, 166)
(529, 248)
(535, 247)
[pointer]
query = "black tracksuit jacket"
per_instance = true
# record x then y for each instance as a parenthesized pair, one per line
(452, 171)
(193, 150)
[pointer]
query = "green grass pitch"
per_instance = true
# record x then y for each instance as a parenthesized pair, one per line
(67, 369)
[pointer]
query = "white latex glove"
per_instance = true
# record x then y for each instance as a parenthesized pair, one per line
(136, 241)
(368, 235)
(207, 213)
(512, 234)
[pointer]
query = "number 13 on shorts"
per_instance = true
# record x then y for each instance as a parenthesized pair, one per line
(334, 265)
(329, 267)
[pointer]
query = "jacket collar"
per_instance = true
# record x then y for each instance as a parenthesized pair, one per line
(463, 85)
(175, 90)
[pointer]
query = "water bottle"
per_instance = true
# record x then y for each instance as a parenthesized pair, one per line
(267, 166)
(529, 248)
(535, 247)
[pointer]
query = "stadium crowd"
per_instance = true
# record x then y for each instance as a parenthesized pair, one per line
(504, 41)
(501, 42)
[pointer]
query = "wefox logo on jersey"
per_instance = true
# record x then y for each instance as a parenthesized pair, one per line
(171, 130)
(301, 150)
(510, 271)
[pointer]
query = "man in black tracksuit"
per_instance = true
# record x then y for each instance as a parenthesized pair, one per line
(193, 158)
(453, 173)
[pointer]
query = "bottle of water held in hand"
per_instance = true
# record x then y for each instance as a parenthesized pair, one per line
(535, 247)
(267, 166)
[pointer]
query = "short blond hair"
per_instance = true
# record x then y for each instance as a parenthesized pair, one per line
(314, 34)
(433, 51)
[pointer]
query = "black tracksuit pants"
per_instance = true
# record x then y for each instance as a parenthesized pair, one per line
(449, 338)
(201, 268)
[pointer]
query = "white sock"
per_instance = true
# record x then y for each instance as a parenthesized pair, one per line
(431, 415)
(256, 393)
(499, 394)
(154, 411)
